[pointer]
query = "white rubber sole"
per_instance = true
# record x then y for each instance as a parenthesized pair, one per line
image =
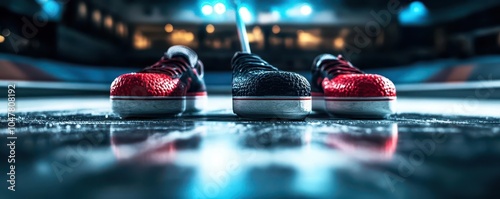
(196, 103)
(361, 107)
(147, 106)
(155, 106)
(295, 108)
(318, 102)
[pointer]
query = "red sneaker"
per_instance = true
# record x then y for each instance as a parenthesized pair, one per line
(169, 87)
(339, 88)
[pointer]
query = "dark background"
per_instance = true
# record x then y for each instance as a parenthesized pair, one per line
(62, 56)
(134, 33)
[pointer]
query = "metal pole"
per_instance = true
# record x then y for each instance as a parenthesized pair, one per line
(242, 31)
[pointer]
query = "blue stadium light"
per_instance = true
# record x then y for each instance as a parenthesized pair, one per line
(51, 8)
(245, 14)
(414, 13)
(305, 9)
(276, 13)
(418, 7)
(220, 8)
(207, 10)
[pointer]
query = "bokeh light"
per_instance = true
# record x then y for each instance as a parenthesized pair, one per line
(305, 9)
(245, 14)
(220, 8)
(169, 28)
(276, 29)
(210, 29)
(207, 10)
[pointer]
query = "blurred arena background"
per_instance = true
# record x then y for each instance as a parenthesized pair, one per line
(62, 55)
(92, 41)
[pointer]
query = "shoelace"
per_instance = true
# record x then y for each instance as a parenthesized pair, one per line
(245, 63)
(173, 67)
(339, 66)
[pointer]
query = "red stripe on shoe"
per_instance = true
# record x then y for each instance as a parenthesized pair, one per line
(272, 98)
(147, 97)
(360, 99)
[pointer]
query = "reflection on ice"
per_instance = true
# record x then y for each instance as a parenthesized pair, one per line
(153, 146)
(367, 146)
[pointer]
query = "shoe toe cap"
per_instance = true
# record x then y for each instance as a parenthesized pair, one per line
(359, 85)
(147, 84)
(273, 83)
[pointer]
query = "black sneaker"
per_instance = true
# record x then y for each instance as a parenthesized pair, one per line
(260, 90)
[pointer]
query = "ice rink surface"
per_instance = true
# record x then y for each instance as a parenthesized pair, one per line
(74, 147)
